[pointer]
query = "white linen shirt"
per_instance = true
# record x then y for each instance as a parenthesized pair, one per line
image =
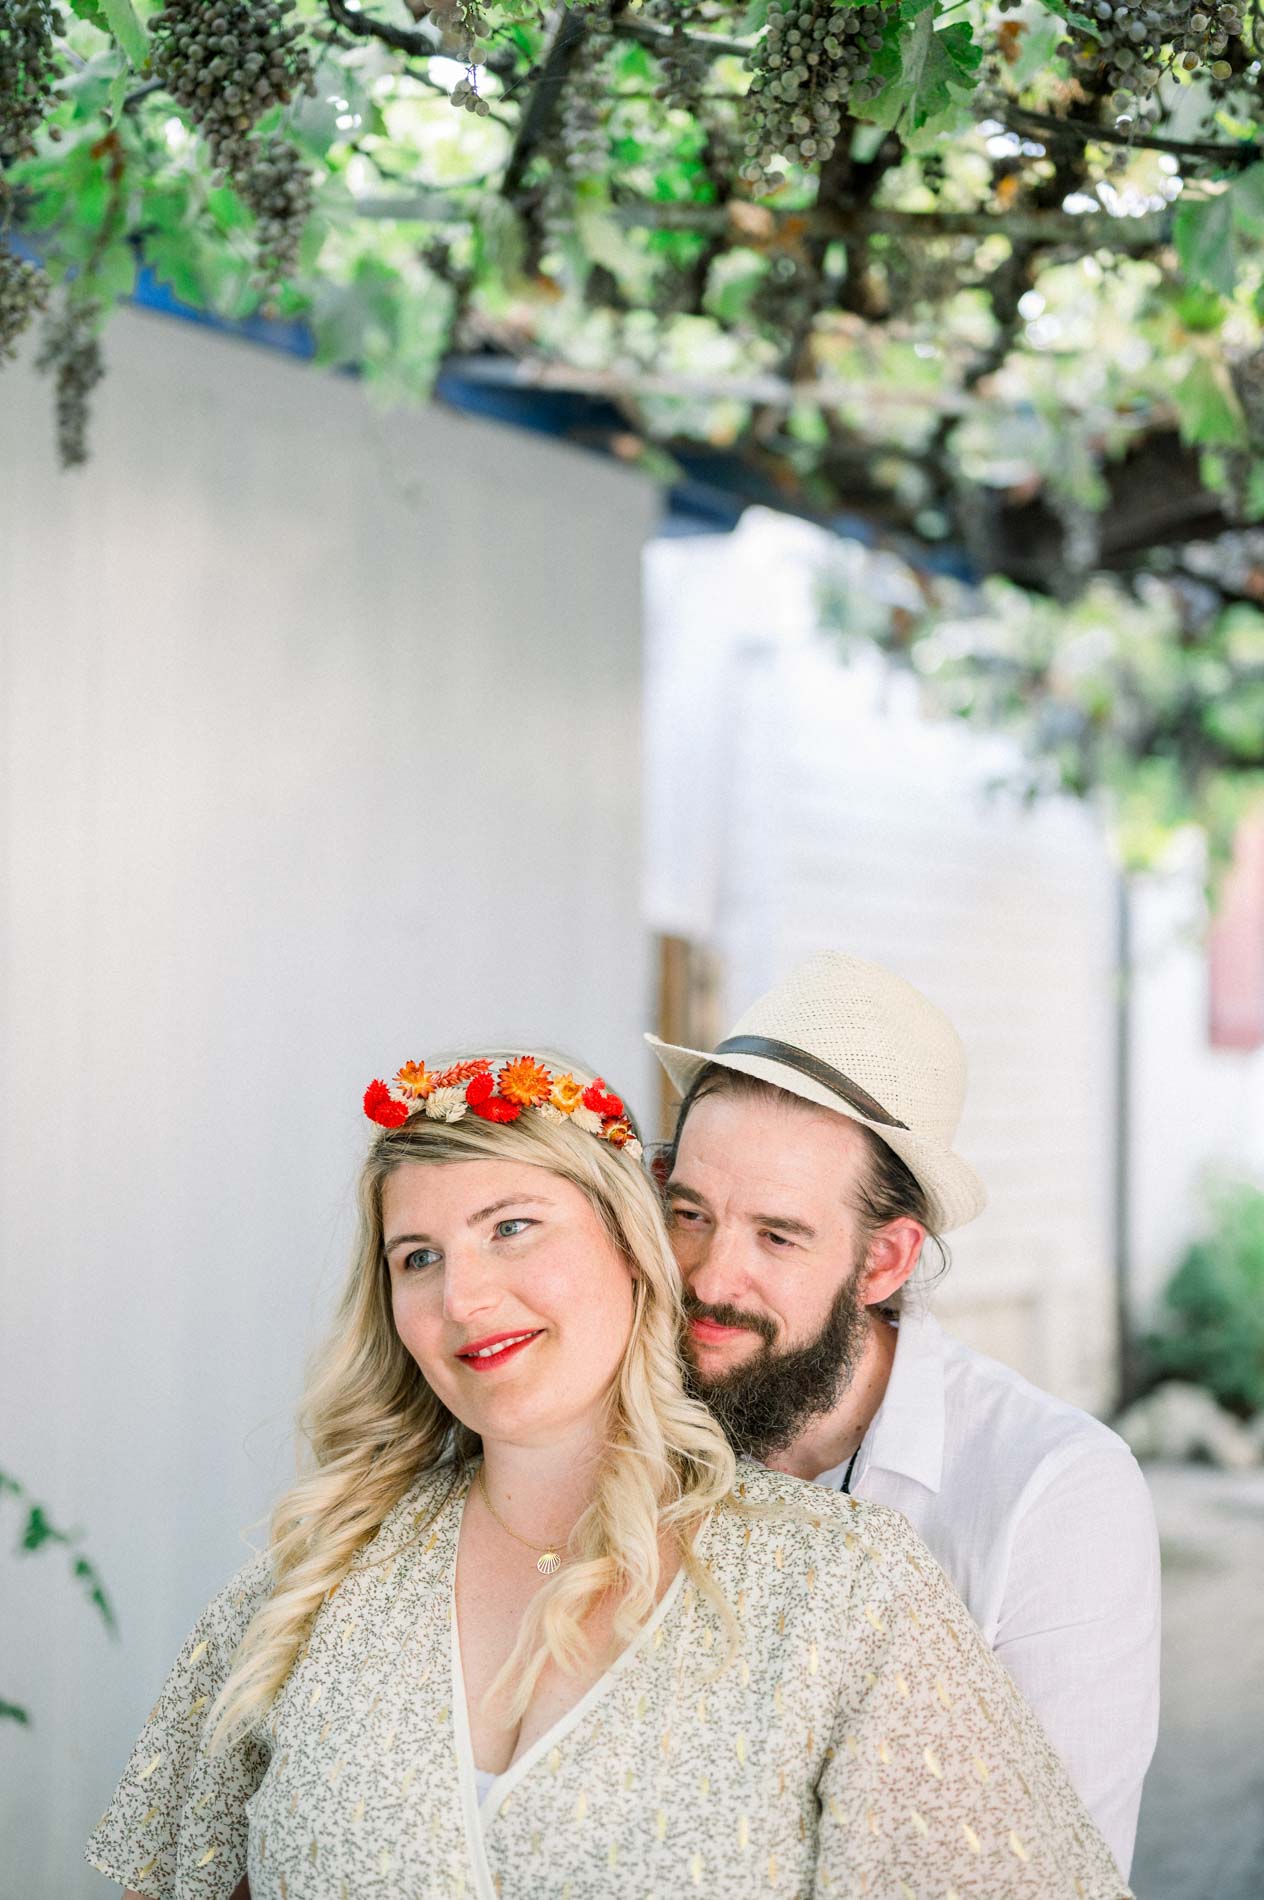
(1042, 1519)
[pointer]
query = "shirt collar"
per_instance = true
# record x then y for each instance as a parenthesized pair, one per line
(907, 1433)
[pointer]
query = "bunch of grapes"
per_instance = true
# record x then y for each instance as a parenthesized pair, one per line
(28, 68)
(227, 62)
(684, 66)
(23, 291)
(465, 94)
(1134, 42)
(813, 60)
(72, 351)
(278, 188)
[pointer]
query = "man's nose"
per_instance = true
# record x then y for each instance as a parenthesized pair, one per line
(716, 1275)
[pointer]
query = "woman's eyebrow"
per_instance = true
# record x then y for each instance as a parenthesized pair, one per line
(484, 1213)
(510, 1200)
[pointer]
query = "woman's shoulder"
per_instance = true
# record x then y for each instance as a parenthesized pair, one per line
(824, 1526)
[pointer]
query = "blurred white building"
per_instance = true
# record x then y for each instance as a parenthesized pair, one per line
(796, 803)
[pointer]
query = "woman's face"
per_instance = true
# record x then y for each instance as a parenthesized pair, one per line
(509, 1294)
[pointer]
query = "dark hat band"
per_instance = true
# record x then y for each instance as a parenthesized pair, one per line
(816, 1071)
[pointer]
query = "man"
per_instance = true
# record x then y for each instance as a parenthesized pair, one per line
(811, 1161)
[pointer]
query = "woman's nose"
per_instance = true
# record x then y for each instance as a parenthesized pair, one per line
(470, 1285)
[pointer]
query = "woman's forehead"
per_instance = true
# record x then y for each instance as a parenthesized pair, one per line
(459, 1189)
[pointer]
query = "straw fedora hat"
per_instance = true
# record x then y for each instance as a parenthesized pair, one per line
(851, 1036)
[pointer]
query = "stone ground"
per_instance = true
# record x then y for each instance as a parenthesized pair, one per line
(1201, 1835)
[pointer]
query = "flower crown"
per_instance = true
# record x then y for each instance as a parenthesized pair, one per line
(445, 1095)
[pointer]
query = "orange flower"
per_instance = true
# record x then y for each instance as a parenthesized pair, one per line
(618, 1132)
(567, 1093)
(460, 1072)
(525, 1081)
(415, 1080)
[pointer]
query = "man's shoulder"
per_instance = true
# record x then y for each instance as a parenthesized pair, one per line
(990, 1406)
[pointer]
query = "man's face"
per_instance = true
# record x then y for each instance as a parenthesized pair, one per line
(761, 1204)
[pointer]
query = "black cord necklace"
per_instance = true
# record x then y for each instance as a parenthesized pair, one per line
(847, 1474)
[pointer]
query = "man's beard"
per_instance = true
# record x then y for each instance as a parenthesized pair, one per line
(763, 1404)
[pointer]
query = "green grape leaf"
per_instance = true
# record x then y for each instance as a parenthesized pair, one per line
(1071, 14)
(91, 11)
(127, 30)
(121, 84)
(10, 1712)
(1207, 409)
(114, 272)
(925, 71)
(1203, 233)
(1247, 196)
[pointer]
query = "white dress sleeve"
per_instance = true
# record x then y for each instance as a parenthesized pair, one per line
(939, 1781)
(175, 1828)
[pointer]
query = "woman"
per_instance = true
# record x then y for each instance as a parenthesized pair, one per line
(526, 1630)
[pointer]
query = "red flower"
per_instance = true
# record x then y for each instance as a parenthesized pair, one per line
(497, 1108)
(479, 1090)
(461, 1072)
(380, 1106)
(595, 1097)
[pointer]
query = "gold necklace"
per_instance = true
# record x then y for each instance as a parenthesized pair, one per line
(547, 1560)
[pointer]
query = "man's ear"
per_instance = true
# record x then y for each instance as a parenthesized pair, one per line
(893, 1254)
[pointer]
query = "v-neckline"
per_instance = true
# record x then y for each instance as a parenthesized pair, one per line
(478, 1817)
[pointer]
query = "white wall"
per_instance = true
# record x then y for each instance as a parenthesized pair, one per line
(319, 742)
(1195, 1110)
(812, 806)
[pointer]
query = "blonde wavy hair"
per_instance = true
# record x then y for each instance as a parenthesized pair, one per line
(371, 1426)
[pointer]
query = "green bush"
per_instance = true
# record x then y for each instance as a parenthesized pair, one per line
(1211, 1329)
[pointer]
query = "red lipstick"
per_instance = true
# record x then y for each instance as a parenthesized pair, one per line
(483, 1355)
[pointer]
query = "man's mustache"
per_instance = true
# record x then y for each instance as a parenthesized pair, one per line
(731, 1316)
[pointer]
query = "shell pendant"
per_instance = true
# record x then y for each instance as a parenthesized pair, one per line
(547, 1562)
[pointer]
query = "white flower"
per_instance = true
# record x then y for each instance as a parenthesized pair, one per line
(550, 1113)
(446, 1105)
(586, 1118)
(633, 1147)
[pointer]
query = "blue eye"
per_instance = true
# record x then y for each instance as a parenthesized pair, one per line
(426, 1255)
(516, 1220)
